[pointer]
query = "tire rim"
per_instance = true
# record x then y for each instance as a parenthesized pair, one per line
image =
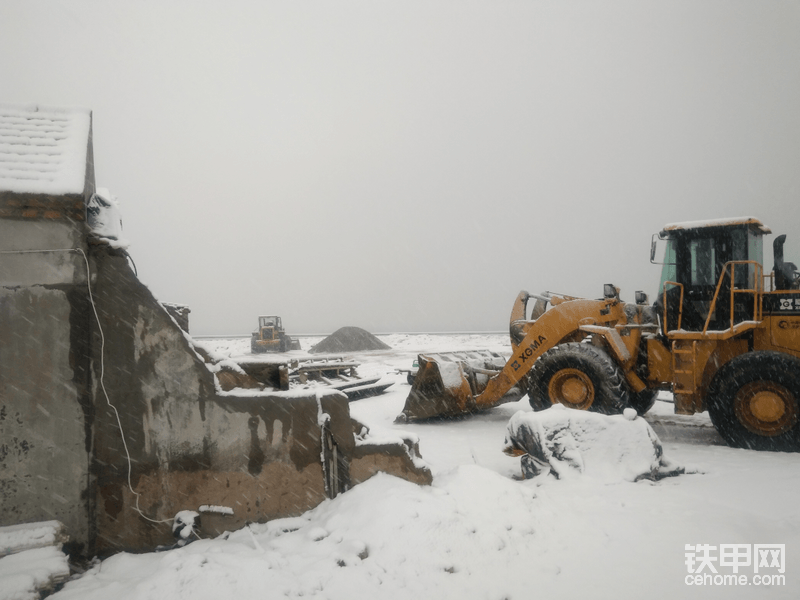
(766, 408)
(572, 388)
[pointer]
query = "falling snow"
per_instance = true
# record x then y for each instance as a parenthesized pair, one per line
(480, 531)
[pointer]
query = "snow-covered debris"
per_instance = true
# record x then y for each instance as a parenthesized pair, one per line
(104, 218)
(32, 560)
(219, 510)
(568, 442)
(16, 538)
(185, 526)
(25, 575)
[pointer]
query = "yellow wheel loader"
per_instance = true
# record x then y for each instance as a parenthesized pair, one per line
(270, 337)
(723, 336)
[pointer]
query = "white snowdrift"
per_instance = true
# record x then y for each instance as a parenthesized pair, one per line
(24, 573)
(476, 534)
(570, 442)
(473, 530)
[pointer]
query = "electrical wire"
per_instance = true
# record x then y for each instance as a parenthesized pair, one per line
(102, 370)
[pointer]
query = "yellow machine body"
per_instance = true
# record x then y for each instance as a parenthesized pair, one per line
(722, 336)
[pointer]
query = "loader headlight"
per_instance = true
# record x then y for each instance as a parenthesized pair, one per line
(641, 298)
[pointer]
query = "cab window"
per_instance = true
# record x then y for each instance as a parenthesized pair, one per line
(703, 262)
(669, 271)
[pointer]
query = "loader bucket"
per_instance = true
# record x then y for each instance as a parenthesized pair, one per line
(447, 384)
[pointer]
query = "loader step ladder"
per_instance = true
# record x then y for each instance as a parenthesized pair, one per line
(684, 366)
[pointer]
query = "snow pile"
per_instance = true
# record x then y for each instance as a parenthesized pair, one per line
(184, 526)
(16, 538)
(43, 150)
(32, 559)
(466, 536)
(568, 442)
(349, 339)
(22, 575)
(219, 510)
(478, 534)
(452, 374)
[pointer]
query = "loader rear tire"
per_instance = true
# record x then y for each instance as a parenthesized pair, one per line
(754, 402)
(580, 376)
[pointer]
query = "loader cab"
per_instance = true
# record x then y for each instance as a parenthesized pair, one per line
(268, 327)
(269, 322)
(697, 268)
(269, 337)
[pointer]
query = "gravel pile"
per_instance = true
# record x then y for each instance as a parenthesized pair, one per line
(349, 339)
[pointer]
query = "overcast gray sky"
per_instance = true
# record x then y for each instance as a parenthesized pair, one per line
(410, 166)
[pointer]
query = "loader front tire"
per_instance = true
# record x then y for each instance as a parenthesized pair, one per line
(579, 376)
(754, 402)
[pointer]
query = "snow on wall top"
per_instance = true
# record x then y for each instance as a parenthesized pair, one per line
(719, 223)
(43, 150)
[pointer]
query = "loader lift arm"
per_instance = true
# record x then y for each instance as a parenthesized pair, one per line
(716, 337)
(444, 388)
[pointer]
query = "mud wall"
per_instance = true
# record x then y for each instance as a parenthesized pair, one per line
(400, 459)
(259, 457)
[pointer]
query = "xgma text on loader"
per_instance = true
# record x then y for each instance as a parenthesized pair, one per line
(723, 336)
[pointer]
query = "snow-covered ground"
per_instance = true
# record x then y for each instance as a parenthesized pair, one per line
(480, 532)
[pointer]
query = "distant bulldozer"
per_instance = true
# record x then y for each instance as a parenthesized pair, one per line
(270, 337)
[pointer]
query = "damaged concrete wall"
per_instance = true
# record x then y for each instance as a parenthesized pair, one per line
(44, 408)
(190, 443)
(110, 422)
(261, 458)
(45, 398)
(180, 313)
(113, 425)
(142, 369)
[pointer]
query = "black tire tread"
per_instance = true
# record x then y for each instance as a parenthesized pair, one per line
(778, 367)
(611, 389)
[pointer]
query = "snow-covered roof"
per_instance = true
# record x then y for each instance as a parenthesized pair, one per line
(751, 221)
(43, 150)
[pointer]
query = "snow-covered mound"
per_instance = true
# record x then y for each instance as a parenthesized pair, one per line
(349, 339)
(385, 538)
(24, 575)
(31, 560)
(104, 218)
(568, 442)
